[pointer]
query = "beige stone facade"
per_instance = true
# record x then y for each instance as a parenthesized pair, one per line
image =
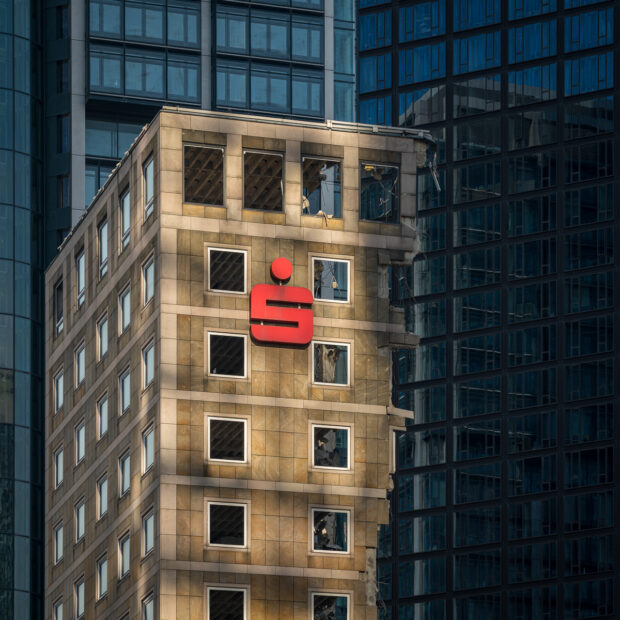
(173, 568)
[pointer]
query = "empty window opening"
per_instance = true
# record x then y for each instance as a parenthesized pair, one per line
(227, 440)
(322, 187)
(227, 524)
(262, 181)
(330, 446)
(330, 279)
(330, 606)
(379, 193)
(204, 175)
(225, 603)
(227, 270)
(331, 363)
(227, 355)
(330, 530)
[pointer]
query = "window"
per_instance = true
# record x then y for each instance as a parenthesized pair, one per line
(227, 524)
(80, 442)
(148, 608)
(102, 337)
(58, 467)
(58, 608)
(148, 533)
(183, 73)
(79, 599)
(125, 219)
(203, 175)
(124, 555)
(227, 440)
(124, 473)
(58, 391)
(262, 181)
(226, 603)
(322, 187)
(102, 576)
(427, 19)
(80, 365)
(376, 111)
(102, 496)
(227, 355)
(80, 520)
(148, 449)
(375, 72)
(124, 300)
(148, 280)
(330, 363)
(232, 84)
(148, 364)
(183, 25)
(102, 237)
(532, 84)
(62, 22)
(331, 446)
(375, 29)
(102, 416)
(330, 530)
(80, 278)
(58, 543)
(330, 606)
(64, 133)
(477, 52)
(330, 279)
(149, 187)
(588, 73)
(105, 18)
(144, 76)
(124, 388)
(227, 270)
(379, 194)
(421, 63)
(531, 41)
(307, 39)
(58, 306)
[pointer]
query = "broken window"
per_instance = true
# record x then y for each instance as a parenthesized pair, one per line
(330, 446)
(322, 187)
(204, 175)
(227, 355)
(330, 530)
(227, 524)
(331, 363)
(226, 604)
(379, 193)
(330, 607)
(58, 306)
(227, 270)
(330, 279)
(262, 181)
(227, 440)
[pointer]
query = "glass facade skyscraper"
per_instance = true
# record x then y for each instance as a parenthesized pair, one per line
(506, 496)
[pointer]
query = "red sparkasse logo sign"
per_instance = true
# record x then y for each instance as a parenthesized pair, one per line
(281, 314)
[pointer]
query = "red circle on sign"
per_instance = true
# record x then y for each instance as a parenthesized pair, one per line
(281, 268)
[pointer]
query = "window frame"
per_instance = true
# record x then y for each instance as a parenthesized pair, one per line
(80, 287)
(99, 485)
(250, 151)
(148, 431)
(325, 468)
(80, 428)
(236, 588)
(146, 349)
(246, 436)
(122, 327)
(336, 160)
(122, 539)
(349, 264)
(245, 375)
(124, 236)
(102, 263)
(99, 594)
(79, 350)
(77, 586)
(349, 346)
(333, 593)
(245, 270)
(58, 528)
(59, 470)
(121, 377)
(125, 456)
(100, 433)
(246, 526)
(103, 319)
(149, 598)
(148, 204)
(214, 147)
(350, 543)
(79, 506)
(59, 391)
(149, 263)
(58, 606)
(149, 514)
(59, 307)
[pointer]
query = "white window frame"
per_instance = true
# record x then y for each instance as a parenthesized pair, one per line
(80, 352)
(245, 270)
(333, 343)
(126, 456)
(349, 514)
(246, 598)
(148, 599)
(125, 235)
(102, 587)
(244, 421)
(148, 435)
(245, 354)
(346, 595)
(149, 204)
(125, 538)
(101, 432)
(80, 280)
(149, 263)
(59, 390)
(78, 587)
(123, 325)
(246, 513)
(59, 549)
(148, 348)
(102, 339)
(102, 510)
(326, 468)
(59, 473)
(103, 256)
(80, 442)
(333, 260)
(58, 610)
(121, 378)
(150, 515)
(80, 507)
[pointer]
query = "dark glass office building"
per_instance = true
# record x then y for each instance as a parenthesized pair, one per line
(506, 501)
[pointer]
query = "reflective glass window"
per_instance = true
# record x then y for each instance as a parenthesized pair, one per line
(420, 491)
(588, 205)
(532, 519)
(532, 345)
(432, 232)
(269, 88)
(270, 34)
(330, 279)
(477, 181)
(422, 534)
(477, 483)
(376, 111)
(428, 194)
(532, 128)
(307, 93)
(477, 225)
(477, 570)
(589, 380)
(476, 138)
(375, 72)
(475, 13)
(533, 431)
(532, 388)
(477, 606)
(531, 41)
(418, 64)
(588, 73)
(144, 21)
(477, 354)
(429, 275)
(183, 24)
(144, 74)
(429, 404)
(105, 18)
(232, 30)
(588, 161)
(232, 84)
(477, 526)
(588, 249)
(429, 318)
(535, 474)
(476, 311)
(588, 336)
(588, 117)
(477, 52)
(476, 397)
(430, 576)
(375, 29)
(593, 554)
(322, 187)
(589, 29)
(532, 171)
(519, 9)
(476, 440)
(588, 423)
(423, 20)
(477, 268)
(532, 215)
(588, 511)
(425, 105)
(307, 39)
(379, 193)
(532, 562)
(531, 301)
(183, 78)
(532, 84)
(588, 598)
(477, 95)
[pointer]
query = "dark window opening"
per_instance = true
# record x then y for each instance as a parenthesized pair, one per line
(63, 134)
(58, 306)
(227, 440)
(330, 531)
(331, 279)
(226, 270)
(227, 355)
(331, 447)
(63, 191)
(226, 604)
(262, 181)
(62, 22)
(227, 524)
(62, 69)
(326, 607)
(379, 193)
(331, 364)
(322, 187)
(204, 175)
